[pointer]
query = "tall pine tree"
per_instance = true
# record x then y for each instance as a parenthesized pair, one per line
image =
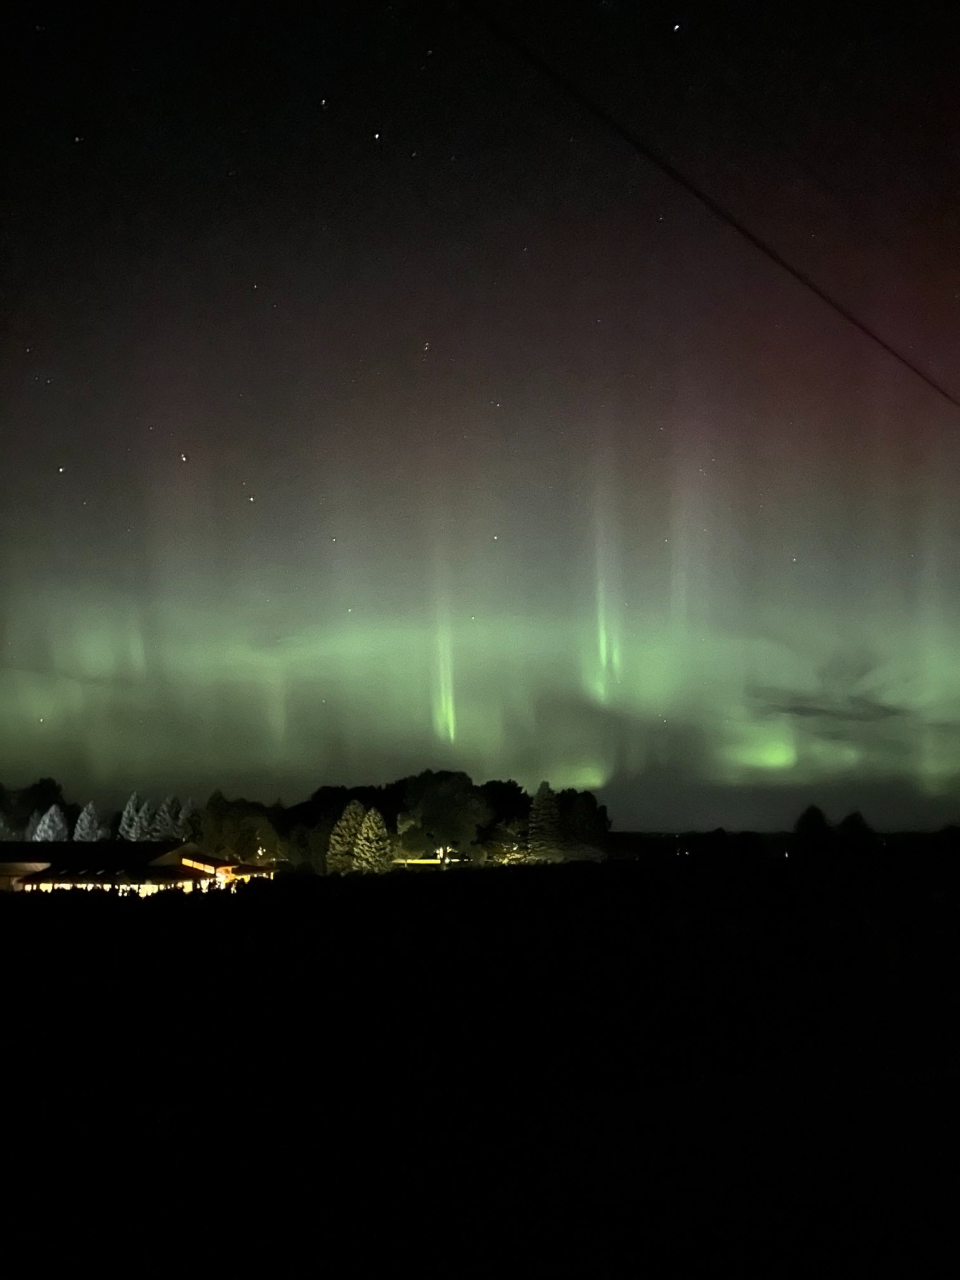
(89, 828)
(145, 820)
(545, 837)
(187, 821)
(373, 851)
(165, 823)
(52, 826)
(32, 824)
(130, 819)
(343, 837)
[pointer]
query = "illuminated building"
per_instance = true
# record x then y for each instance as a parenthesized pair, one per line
(186, 868)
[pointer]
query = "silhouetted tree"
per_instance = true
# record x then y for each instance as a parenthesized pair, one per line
(52, 826)
(89, 828)
(582, 820)
(855, 833)
(32, 823)
(343, 837)
(508, 801)
(372, 851)
(446, 807)
(37, 798)
(544, 836)
(7, 832)
(812, 825)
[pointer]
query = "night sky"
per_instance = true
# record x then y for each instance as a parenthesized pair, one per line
(369, 406)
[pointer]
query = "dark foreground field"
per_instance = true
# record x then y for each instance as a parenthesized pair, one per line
(563, 1070)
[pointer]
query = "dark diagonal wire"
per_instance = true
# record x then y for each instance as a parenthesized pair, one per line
(717, 209)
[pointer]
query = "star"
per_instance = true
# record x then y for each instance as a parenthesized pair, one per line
(183, 457)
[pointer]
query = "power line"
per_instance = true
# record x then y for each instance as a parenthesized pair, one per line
(715, 207)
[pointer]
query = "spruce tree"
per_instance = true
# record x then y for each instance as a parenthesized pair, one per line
(6, 830)
(343, 837)
(544, 839)
(52, 826)
(145, 820)
(165, 824)
(186, 819)
(89, 828)
(32, 824)
(373, 851)
(130, 819)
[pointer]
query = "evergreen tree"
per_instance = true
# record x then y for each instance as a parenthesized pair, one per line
(6, 830)
(52, 826)
(187, 820)
(32, 824)
(812, 825)
(372, 851)
(343, 837)
(165, 824)
(145, 820)
(544, 838)
(854, 833)
(89, 828)
(130, 819)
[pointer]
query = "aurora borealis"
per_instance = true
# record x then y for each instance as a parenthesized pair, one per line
(368, 408)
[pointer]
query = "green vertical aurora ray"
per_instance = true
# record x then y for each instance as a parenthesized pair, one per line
(754, 606)
(603, 665)
(444, 707)
(442, 698)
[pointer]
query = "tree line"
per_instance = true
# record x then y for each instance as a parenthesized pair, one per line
(431, 815)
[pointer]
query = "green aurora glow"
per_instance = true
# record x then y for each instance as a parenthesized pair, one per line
(552, 476)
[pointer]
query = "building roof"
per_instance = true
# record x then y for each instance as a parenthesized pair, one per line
(174, 857)
(78, 854)
(114, 876)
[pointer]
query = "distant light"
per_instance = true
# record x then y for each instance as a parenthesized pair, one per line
(676, 26)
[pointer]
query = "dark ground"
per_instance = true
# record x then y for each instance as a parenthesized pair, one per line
(690, 1061)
